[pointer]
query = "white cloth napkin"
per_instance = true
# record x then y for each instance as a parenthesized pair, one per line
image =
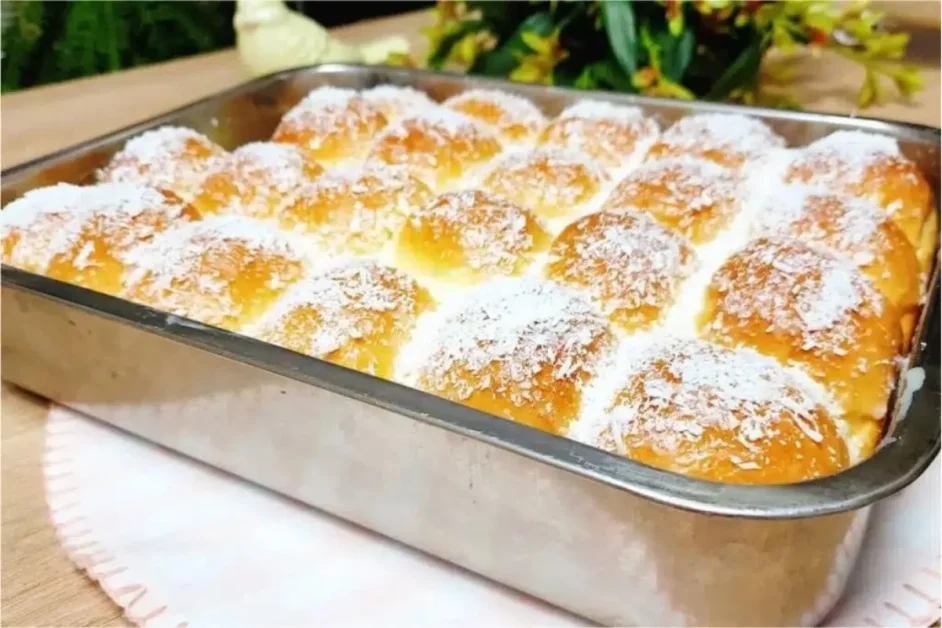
(176, 543)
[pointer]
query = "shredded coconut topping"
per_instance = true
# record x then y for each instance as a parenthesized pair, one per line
(507, 112)
(355, 301)
(601, 110)
(795, 289)
(510, 330)
(842, 157)
(169, 157)
(325, 99)
(845, 224)
(552, 181)
(397, 101)
(439, 141)
(688, 391)
(492, 234)
(279, 166)
(610, 133)
(177, 254)
(364, 179)
(332, 122)
(362, 205)
(695, 196)
(256, 179)
(54, 220)
(629, 264)
(744, 135)
(856, 143)
(446, 123)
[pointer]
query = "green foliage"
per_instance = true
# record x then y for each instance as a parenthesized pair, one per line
(619, 22)
(53, 41)
(20, 40)
(711, 49)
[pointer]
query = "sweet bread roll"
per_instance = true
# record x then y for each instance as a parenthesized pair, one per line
(612, 134)
(83, 234)
(357, 314)
(872, 166)
(730, 140)
(552, 182)
(332, 124)
(465, 237)
(629, 265)
(724, 415)
(440, 146)
(256, 180)
(521, 349)
(224, 271)
(808, 307)
(355, 209)
(397, 102)
(851, 226)
(516, 119)
(169, 158)
(693, 197)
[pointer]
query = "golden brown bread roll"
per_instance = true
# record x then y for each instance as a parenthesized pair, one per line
(357, 314)
(516, 119)
(611, 134)
(552, 182)
(730, 140)
(256, 180)
(355, 209)
(170, 158)
(439, 146)
(854, 227)
(694, 197)
(397, 102)
(521, 349)
(809, 307)
(719, 414)
(332, 124)
(224, 271)
(466, 237)
(872, 166)
(629, 265)
(82, 234)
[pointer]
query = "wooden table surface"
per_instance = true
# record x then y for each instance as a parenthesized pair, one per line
(39, 585)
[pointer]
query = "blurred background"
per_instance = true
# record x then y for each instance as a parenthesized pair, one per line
(45, 42)
(52, 41)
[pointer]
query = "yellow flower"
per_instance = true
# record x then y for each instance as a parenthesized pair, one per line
(538, 66)
(401, 60)
(650, 82)
(447, 14)
(471, 46)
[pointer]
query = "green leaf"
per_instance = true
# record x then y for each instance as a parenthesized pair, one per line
(676, 53)
(568, 73)
(438, 57)
(503, 59)
(586, 80)
(501, 17)
(609, 74)
(741, 72)
(619, 20)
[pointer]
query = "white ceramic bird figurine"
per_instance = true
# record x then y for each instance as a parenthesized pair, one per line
(271, 37)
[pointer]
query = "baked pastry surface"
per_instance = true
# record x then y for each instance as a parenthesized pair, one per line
(704, 299)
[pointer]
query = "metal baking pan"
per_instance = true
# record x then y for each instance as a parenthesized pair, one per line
(601, 536)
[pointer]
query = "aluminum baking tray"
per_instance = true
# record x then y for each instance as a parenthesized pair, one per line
(601, 536)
